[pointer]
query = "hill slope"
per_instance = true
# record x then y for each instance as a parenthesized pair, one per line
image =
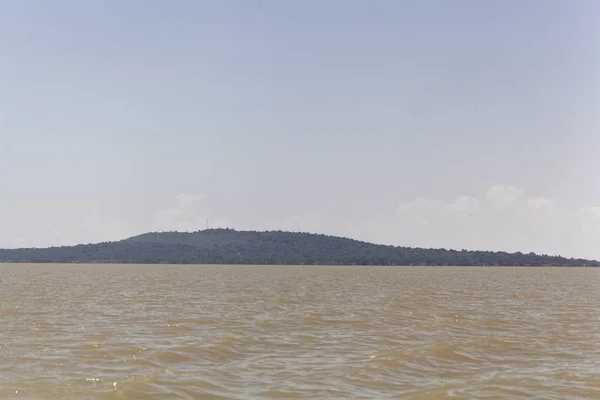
(227, 246)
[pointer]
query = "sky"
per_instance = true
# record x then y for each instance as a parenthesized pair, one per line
(453, 124)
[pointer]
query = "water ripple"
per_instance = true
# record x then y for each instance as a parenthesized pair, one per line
(200, 332)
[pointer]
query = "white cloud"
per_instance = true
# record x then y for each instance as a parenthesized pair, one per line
(542, 203)
(188, 213)
(502, 219)
(503, 195)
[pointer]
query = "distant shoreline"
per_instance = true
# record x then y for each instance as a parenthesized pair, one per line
(231, 247)
(289, 265)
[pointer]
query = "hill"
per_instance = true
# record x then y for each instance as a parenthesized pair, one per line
(228, 246)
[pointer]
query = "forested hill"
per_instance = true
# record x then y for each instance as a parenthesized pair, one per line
(227, 246)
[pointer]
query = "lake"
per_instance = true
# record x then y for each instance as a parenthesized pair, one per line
(252, 332)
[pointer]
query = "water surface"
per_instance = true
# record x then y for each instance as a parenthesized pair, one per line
(249, 332)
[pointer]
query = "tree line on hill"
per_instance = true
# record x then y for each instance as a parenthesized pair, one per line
(228, 246)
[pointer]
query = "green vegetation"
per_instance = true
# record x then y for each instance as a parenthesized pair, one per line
(227, 246)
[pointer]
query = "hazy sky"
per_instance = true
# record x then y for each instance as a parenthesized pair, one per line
(464, 124)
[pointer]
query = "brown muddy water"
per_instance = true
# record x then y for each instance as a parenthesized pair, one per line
(249, 332)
